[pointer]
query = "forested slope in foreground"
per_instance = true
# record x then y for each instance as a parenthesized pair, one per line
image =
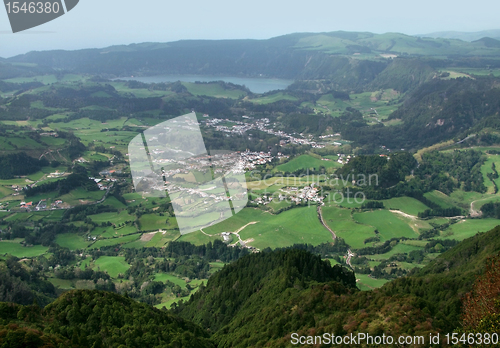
(96, 319)
(261, 299)
(296, 296)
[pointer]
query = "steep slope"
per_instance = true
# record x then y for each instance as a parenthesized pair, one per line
(270, 308)
(22, 286)
(436, 111)
(403, 75)
(250, 282)
(96, 319)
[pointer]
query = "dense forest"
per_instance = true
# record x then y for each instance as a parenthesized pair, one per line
(96, 319)
(19, 164)
(400, 175)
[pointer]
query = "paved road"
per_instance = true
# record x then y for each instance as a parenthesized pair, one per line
(320, 216)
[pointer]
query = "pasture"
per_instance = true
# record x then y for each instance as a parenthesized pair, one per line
(114, 241)
(298, 225)
(468, 228)
(407, 205)
(440, 199)
(81, 196)
(113, 265)
(213, 90)
(14, 248)
(388, 224)
(305, 162)
(116, 218)
(400, 248)
(341, 222)
(273, 98)
(163, 277)
(365, 282)
(72, 241)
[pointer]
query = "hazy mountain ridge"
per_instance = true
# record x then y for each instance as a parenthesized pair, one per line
(300, 55)
(464, 36)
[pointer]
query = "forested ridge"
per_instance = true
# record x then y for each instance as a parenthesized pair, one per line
(429, 300)
(95, 319)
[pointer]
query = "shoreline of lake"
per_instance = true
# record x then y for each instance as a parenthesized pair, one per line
(254, 84)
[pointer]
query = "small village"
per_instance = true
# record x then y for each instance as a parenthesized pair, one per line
(262, 125)
(291, 194)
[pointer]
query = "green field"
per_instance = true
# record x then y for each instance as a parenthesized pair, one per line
(122, 88)
(388, 224)
(475, 71)
(85, 263)
(65, 284)
(115, 203)
(468, 228)
(171, 301)
(150, 222)
(71, 241)
(114, 218)
(365, 282)
(407, 205)
(298, 225)
(440, 198)
(81, 196)
(113, 265)
(487, 168)
(15, 249)
(306, 161)
(163, 277)
(114, 241)
(400, 248)
(341, 222)
(273, 98)
(213, 90)
(198, 238)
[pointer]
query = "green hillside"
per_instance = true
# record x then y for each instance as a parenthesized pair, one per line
(306, 161)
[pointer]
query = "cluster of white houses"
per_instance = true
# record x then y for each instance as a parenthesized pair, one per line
(343, 159)
(262, 125)
(292, 195)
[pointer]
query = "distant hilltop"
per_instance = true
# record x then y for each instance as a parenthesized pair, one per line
(464, 36)
(303, 56)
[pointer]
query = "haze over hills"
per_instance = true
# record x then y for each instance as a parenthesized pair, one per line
(419, 116)
(464, 36)
(300, 55)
